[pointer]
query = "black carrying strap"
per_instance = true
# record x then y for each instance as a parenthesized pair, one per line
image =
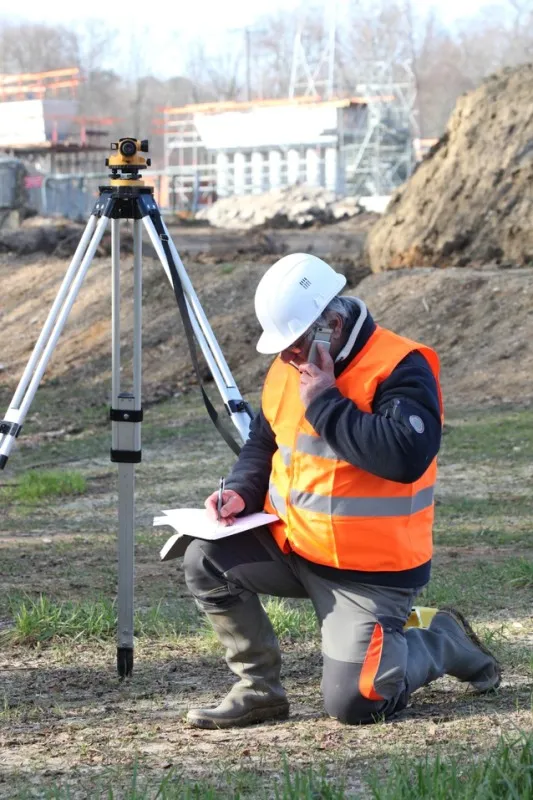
(184, 311)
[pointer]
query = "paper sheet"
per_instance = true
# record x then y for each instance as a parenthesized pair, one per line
(193, 523)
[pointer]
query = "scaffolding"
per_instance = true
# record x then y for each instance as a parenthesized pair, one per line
(379, 153)
(368, 148)
(36, 85)
(382, 145)
(188, 164)
(359, 145)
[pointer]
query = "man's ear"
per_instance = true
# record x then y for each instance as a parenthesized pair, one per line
(335, 324)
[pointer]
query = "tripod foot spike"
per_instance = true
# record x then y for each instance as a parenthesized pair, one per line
(124, 662)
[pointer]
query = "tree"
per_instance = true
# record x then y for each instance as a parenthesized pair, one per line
(36, 47)
(215, 77)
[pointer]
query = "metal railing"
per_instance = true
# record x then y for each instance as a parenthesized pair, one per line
(187, 188)
(73, 196)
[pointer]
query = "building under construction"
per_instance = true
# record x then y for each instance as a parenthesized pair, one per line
(363, 144)
(46, 146)
(40, 123)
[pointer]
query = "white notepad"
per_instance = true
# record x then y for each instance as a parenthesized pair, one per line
(194, 523)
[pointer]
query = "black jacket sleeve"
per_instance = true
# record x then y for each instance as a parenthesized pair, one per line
(251, 472)
(399, 439)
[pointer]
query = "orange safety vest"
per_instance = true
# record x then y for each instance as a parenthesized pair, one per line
(331, 512)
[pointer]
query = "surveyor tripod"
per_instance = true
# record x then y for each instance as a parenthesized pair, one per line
(126, 198)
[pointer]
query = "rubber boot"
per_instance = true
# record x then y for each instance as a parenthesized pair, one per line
(252, 653)
(450, 647)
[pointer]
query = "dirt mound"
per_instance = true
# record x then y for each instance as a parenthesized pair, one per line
(57, 238)
(476, 319)
(291, 207)
(471, 199)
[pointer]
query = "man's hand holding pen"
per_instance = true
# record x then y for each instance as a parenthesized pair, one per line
(223, 505)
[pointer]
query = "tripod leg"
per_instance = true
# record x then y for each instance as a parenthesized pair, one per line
(126, 531)
(28, 384)
(202, 330)
(126, 415)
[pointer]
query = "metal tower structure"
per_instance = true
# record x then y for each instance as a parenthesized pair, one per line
(377, 144)
(316, 77)
(381, 154)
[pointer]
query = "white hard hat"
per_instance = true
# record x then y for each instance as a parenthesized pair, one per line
(290, 296)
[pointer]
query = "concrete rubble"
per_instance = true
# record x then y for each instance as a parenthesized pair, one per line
(290, 207)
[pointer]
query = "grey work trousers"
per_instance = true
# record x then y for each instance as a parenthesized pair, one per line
(365, 650)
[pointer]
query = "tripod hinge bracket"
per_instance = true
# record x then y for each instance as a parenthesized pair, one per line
(10, 428)
(125, 415)
(237, 406)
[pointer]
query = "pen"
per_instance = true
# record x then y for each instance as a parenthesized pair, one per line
(219, 502)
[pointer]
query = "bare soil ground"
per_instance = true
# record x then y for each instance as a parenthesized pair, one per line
(479, 320)
(65, 718)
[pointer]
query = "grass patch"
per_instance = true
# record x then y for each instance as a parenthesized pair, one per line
(37, 485)
(523, 577)
(492, 520)
(506, 773)
(503, 774)
(292, 620)
(41, 621)
(483, 587)
(293, 784)
(508, 649)
(502, 436)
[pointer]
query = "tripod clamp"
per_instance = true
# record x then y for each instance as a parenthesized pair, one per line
(10, 428)
(126, 430)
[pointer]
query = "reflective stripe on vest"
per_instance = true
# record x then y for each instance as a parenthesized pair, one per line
(353, 506)
(363, 506)
(278, 502)
(315, 446)
(285, 454)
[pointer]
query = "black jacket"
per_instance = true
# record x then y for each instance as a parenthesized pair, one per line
(384, 443)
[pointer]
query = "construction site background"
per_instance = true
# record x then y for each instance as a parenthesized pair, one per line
(448, 262)
(293, 54)
(461, 226)
(448, 59)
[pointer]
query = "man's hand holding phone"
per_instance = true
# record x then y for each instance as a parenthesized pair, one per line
(316, 378)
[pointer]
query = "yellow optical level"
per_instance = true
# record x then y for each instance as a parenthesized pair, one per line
(127, 158)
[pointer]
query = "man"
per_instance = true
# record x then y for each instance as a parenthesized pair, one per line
(344, 452)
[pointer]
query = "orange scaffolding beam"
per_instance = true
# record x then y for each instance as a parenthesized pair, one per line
(23, 77)
(38, 83)
(234, 105)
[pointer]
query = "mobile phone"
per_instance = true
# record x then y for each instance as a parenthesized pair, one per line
(323, 337)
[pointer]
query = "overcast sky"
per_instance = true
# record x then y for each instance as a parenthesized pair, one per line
(166, 35)
(196, 17)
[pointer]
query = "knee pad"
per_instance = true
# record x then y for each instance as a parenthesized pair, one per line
(342, 696)
(351, 707)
